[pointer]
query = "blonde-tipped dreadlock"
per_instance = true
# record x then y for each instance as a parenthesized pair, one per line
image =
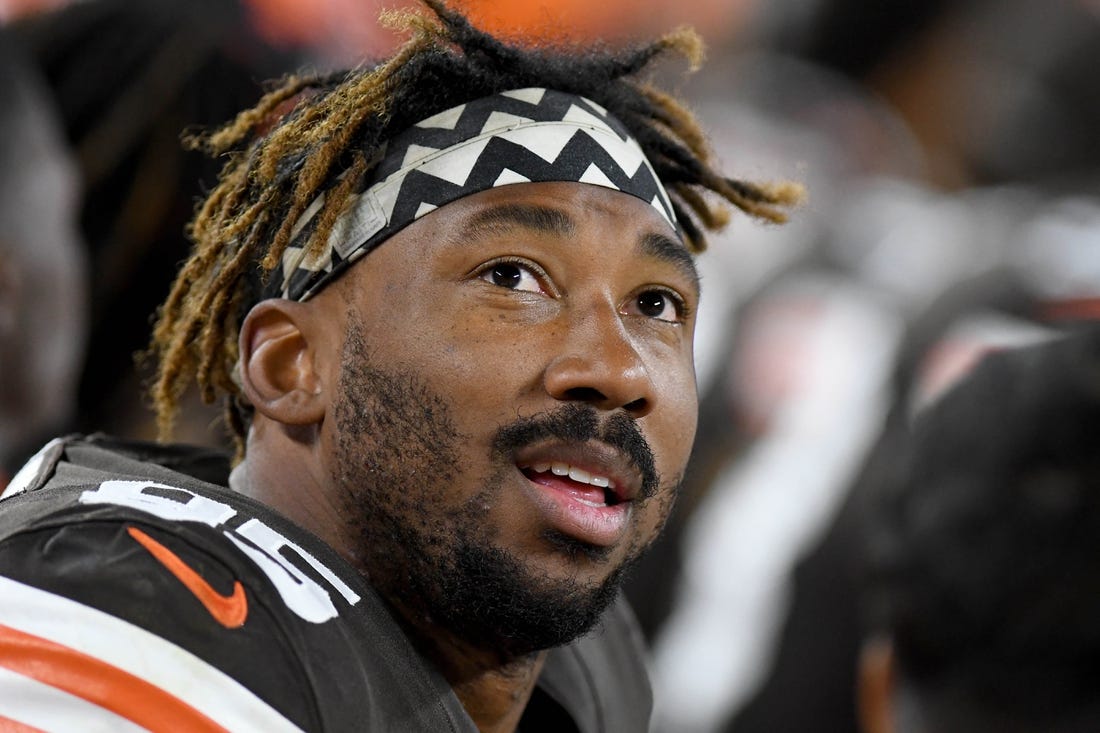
(335, 131)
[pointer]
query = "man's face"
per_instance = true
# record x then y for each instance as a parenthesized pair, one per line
(515, 408)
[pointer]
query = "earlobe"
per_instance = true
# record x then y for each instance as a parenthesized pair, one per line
(277, 364)
(876, 685)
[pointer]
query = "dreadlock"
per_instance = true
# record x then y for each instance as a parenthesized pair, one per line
(336, 130)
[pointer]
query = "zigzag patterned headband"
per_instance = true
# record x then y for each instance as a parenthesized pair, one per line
(520, 136)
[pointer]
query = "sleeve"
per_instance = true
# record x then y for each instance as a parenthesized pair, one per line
(126, 626)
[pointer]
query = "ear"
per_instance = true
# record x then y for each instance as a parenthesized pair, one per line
(876, 685)
(278, 363)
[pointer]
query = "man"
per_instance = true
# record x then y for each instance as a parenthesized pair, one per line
(985, 583)
(450, 451)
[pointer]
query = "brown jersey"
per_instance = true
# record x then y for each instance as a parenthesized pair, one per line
(135, 595)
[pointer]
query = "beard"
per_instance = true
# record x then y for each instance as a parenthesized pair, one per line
(398, 451)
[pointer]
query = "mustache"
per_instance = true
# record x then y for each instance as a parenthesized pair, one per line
(578, 423)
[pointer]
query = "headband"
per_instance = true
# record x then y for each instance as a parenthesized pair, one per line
(520, 136)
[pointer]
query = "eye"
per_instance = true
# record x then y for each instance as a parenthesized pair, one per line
(512, 275)
(661, 305)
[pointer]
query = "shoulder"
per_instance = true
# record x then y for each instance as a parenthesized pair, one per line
(155, 593)
(123, 584)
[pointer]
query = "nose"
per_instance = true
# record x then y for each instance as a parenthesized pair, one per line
(600, 365)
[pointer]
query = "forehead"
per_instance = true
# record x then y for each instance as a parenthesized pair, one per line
(626, 227)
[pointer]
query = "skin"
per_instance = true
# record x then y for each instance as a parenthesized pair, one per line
(509, 305)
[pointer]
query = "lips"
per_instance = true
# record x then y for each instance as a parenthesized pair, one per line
(584, 491)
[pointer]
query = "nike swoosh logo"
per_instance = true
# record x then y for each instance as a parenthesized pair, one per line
(229, 611)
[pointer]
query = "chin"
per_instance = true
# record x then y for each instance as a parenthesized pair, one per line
(492, 600)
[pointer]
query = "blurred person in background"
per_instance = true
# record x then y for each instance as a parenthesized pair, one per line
(125, 80)
(43, 266)
(983, 553)
(951, 212)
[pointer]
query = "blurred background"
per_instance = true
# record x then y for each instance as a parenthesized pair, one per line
(950, 152)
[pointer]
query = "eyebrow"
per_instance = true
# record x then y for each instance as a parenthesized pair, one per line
(673, 251)
(550, 220)
(530, 216)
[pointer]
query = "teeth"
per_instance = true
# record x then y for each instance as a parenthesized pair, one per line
(577, 474)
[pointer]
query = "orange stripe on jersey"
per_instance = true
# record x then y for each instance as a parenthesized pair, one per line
(7, 725)
(100, 683)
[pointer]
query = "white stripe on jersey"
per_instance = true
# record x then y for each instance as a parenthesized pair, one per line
(29, 472)
(139, 652)
(38, 705)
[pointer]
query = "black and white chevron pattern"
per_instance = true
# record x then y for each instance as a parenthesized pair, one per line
(520, 136)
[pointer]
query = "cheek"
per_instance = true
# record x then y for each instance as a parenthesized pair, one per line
(672, 438)
(486, 354)
(654, 515)
(481, 373)
(677, 412)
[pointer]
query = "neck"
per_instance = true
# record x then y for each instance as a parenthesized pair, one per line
(496, 699)
(279, 473)
(493, 688)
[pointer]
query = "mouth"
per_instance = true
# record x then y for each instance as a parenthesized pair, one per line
(588, 488)
(583, 491)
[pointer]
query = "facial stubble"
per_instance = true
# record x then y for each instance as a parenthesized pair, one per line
(398, 450)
